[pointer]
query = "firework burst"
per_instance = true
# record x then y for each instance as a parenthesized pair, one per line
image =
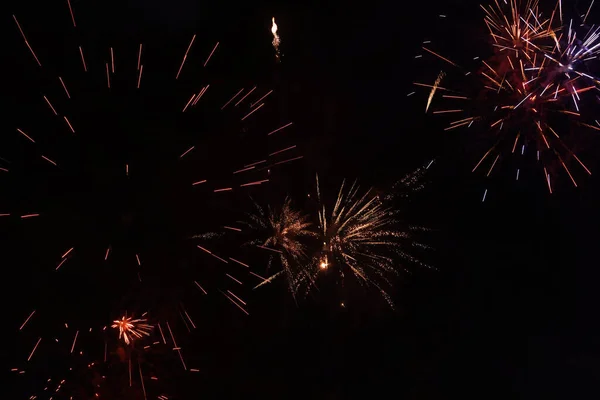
(534, 92)
(131, 329)
(118, 167)
(360, 235)
(282, 232)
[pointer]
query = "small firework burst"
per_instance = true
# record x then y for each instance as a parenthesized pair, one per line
(282, 231)
(131, 329)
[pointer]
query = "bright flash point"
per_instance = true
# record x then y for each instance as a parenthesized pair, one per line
(276, 40)
(274, 27)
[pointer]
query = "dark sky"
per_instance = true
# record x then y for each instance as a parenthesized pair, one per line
(510, 312)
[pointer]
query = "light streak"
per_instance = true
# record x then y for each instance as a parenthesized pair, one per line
(27, 320)
(74, 341)
(71, 11)
(211, 53)
(212, 254)
(185, 56)
(251, 112)
(35, 347)
(27, 42)
(280, 128)
(234, 96)
(82, 59)
(50, 105)
(64, 87)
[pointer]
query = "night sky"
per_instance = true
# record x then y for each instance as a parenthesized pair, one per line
(509, 312)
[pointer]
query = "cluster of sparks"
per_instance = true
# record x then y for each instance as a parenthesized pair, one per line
(535, 85)
(284, 231)
(131, 329)
(358, 235)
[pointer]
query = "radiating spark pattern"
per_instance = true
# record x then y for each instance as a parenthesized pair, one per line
(360, 235)
(283, 231)
(536, 89)
(131, 329)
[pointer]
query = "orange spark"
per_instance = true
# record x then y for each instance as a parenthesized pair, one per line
(493, 164)
(71, 11)
(204, 89)
(26, 42)
(251, 112)
(254, 183)
(187, 151)
(188, 103)
(482, 158)
(28, 318)
(259, 100)
(211, 53)
(24, 134)
(268, 248)
(280, 128)
(281, 151)
(579, 161)
(214, 255)
(140, 76)
(234, 96)
(447, 111)
(139, 57)
(236, 297)
(69, 123)
(288, 160)
(35, 347)
(231, 277)
(246, 95)
(255, 163)
(433, 89)
(82, 59)
(185, 56)
(112, 60)
(236, 304)
(64, 87)
(200, 287)
(178, 350)
(29, 216)
(61, 263)
(49, 160)
(67, 252)
(239, 262)
(162, 334)
(568, 172)
(244, 169)
(439, 56)
(74, 341)
(50, 104)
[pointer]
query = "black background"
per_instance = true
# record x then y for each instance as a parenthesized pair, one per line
(511, 311)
